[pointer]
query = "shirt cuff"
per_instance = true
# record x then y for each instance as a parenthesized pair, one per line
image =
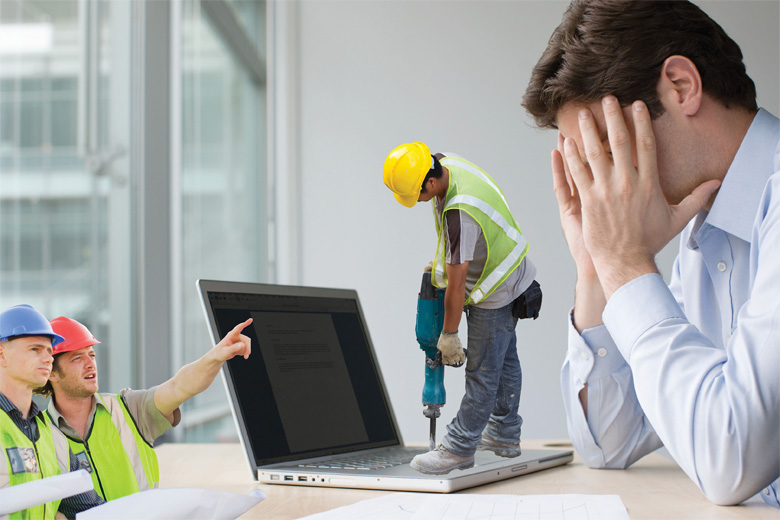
(636, 307)
(592, 354)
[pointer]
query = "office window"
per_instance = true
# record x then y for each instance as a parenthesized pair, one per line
(54, 241)
(74, 164)
(222, 188)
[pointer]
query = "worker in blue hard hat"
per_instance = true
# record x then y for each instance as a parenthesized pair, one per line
(481, 260)
(32, 449)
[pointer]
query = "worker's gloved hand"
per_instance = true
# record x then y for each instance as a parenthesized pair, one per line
(452, 353)
(429, 267)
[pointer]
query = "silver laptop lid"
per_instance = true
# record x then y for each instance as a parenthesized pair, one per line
(311, 386)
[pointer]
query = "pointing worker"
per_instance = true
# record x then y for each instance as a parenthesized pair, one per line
(496, 286)
(31, 447)
(112, 434)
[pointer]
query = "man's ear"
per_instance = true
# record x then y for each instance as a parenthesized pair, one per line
(680, 85)
(2, 354)
(53, 376)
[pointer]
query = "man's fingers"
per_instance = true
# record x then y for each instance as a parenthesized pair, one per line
(569, 180)
(647, 161)
(692, 204)
(561, 185)
(580, 173)
(239, 348)
(236, 332)
(598, 160)
(618, 135)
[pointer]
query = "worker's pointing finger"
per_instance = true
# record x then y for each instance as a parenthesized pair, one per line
(241, 326)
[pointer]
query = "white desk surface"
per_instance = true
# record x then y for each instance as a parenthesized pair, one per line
(653, 488)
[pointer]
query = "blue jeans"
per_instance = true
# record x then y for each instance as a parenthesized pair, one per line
(493, 383)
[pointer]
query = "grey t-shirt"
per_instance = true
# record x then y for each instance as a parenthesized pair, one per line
(465, 242)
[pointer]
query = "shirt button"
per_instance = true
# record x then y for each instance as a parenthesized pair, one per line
(602, 352)
(584, 356)
(766, 491)
(721, 266)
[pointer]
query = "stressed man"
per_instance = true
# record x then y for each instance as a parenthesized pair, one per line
(660, 133)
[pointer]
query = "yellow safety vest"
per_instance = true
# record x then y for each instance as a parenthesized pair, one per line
(27, 461)
(473, 191)
(117, 456)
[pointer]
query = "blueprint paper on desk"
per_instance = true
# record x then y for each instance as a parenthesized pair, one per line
(417, 506)
(175, 504)
(387, 507)
(21, 496)
(523, 507)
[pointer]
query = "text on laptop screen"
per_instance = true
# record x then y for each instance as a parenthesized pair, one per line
(310, 386)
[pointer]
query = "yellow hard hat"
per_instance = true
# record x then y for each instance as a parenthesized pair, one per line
(405, 169)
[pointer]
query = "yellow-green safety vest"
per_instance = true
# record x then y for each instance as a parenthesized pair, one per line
(27, 461)
(120, 460)
(473, 191)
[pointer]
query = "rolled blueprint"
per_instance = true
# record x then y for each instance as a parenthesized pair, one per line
(29, 494)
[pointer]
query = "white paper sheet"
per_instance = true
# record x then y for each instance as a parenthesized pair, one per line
(387, 507)
(175, 504)
(22, 496)
(523, 507)
(420, 506)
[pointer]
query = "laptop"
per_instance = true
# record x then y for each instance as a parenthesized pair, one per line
(310, 404)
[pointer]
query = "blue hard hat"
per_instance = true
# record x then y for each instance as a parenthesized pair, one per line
(25, 320)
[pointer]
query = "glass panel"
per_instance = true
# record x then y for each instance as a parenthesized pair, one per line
(223, 195)
(53, 209)
(249, 14)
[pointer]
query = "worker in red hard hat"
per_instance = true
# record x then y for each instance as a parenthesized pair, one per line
(113, 434)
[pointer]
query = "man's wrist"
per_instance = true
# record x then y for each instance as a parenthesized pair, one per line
(449, 333)
(614, 275)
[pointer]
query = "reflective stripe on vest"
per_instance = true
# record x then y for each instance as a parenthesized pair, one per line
(44, 462)
(486, 204)
(122, 462)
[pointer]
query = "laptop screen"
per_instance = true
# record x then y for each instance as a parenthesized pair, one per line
(311, 386)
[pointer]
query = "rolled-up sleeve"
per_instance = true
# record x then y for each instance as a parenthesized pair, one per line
(150, 421)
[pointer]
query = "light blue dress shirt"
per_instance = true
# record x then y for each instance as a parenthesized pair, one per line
(695, 366)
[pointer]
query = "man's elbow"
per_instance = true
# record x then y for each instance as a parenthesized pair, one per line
(724, 492)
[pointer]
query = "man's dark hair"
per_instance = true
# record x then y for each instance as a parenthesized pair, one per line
(433, 173)
(619, 46)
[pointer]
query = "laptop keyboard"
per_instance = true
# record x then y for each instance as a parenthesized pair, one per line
(369, 461)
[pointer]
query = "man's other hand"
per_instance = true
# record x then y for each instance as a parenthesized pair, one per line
(451, 350)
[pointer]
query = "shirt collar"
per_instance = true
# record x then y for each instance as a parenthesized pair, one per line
(59, 420)
(7, 406)
(735, 206)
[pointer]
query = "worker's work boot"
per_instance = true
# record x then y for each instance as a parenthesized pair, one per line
(502, 449)
(440, 461)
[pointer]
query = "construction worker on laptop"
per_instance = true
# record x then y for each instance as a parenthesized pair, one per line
(494, 285)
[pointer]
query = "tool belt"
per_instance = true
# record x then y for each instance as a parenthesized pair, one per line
(528, 304)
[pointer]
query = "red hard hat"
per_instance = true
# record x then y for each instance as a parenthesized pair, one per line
(76, 335)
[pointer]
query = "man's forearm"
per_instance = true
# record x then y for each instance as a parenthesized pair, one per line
(190, 380)
(453, 308)
(455, 296)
